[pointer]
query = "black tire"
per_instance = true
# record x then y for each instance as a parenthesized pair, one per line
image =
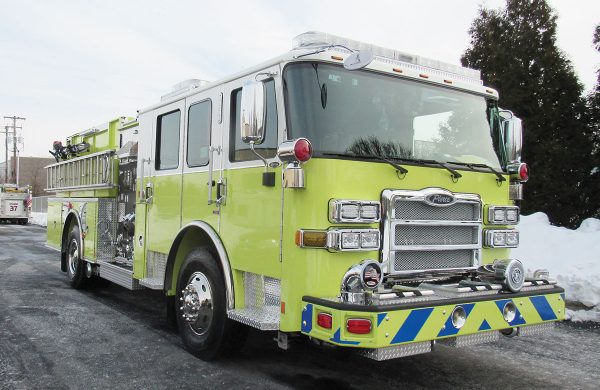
(75, 265)
(211, 335)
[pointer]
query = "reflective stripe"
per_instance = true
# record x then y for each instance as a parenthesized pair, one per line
(337, 339)
(412, 325)
(307, 317)
(380, 317)
(543, 308)
(484, 326)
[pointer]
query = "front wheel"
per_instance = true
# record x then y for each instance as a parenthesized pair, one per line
(201, 309)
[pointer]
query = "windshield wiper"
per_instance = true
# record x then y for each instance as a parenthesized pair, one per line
(455, 174)
(399, 168)
(475, 165)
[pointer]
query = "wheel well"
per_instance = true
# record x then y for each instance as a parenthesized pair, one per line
(189, 238)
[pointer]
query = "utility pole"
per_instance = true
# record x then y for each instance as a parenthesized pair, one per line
(6, 154)
(14, 174)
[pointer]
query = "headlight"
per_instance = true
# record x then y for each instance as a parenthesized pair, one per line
(503, 215)
(354, 211)
(500, 238)
(350, 240)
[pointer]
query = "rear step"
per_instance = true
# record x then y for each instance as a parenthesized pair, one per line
(118, 274)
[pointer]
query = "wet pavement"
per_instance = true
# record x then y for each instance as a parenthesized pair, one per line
(55, 337)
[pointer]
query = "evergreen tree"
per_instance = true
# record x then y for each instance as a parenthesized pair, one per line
(593, 103)
(515, 49)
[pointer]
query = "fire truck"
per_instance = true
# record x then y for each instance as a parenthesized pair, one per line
(355, 195)
(15, 204)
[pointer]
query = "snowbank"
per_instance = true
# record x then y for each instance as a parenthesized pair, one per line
(571, 256)
(40, 219)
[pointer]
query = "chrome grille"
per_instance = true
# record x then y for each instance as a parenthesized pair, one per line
(407, 235)
(420, 236)
(424, 260)
(411, 210)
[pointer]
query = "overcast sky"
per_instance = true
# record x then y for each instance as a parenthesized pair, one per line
(69, 65)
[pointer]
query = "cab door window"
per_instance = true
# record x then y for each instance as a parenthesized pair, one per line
(167, 141)
(238, 150)
(198, 138)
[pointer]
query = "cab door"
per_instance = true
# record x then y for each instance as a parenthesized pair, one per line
(203, 158)
(164, 186)
(251, 211)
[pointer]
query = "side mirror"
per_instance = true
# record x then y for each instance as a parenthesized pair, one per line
(252, 118)
(513, 139)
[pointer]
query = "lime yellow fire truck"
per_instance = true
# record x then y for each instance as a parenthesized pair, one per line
(358, 196)
(15, 204)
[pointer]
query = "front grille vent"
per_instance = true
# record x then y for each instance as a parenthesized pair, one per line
(420, 236)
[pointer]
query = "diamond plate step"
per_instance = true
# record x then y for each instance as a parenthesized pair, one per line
(118, 275)
(263, 318)
(152, 283)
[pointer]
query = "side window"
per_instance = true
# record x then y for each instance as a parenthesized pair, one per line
(198, 139)
(239, 151)
(167, 141)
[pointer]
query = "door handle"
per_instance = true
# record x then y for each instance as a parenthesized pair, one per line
(149, 193)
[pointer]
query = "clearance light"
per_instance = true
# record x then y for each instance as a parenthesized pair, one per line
(298, 150)
(358, 326)
(325, 320)
(500, 238)
(354, 211)
(503, 215)
(518, 172)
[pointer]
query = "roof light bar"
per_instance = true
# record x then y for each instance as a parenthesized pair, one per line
(317, 39)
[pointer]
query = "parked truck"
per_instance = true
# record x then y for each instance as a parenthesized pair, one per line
(15, 204)
(355, 195)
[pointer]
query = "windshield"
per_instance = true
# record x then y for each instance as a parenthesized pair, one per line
(366, 113)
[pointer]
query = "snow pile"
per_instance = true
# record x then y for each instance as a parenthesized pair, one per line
(584, 315)
(571, 256)
(40, 219)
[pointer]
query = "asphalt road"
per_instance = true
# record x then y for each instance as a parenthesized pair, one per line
(54, 337)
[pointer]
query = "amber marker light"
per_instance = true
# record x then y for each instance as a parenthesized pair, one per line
(337, 58)
(311, 238)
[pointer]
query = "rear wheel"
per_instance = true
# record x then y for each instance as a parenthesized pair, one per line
(75, 265)
(201, 309)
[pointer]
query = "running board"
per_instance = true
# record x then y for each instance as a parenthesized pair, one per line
(118, 275)
(263, 318)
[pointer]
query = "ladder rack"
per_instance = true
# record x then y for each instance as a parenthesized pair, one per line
(94, 171)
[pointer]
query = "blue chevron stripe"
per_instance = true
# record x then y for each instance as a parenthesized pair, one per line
(337, 339)
(412, 325)
(307, 317)
(543, 308)
(380, 317)
(485, 326)
(449, 329)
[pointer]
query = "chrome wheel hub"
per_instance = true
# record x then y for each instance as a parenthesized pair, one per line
(196, 303)
(73, 257)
